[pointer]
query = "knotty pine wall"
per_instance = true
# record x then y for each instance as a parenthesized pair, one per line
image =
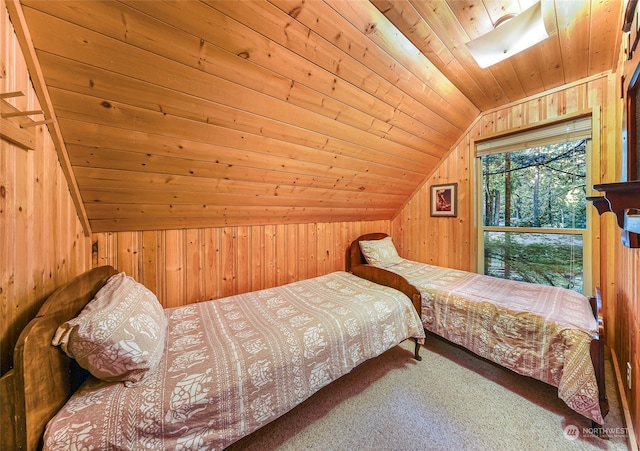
(42, 243)
(41, 239)
(628, 325)
(192, 265)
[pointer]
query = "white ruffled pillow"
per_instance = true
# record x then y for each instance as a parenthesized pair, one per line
(380, 252)
(119, 335)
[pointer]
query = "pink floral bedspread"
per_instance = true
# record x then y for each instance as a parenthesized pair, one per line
(232, 365)
(536, 330)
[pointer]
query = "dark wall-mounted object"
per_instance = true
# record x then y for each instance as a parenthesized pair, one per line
(622, 199)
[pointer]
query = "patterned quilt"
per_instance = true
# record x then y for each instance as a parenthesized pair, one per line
(232, 365)
(536, 330)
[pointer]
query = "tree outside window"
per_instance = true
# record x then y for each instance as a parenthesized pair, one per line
(534, 214)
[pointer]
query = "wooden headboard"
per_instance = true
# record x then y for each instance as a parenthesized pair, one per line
(45, 377)
(357, 265)
(355, 254)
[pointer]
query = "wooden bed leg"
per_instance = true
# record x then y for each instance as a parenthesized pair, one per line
(416, 353)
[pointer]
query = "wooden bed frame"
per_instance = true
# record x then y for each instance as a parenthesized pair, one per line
(45, 377)
(357, 265)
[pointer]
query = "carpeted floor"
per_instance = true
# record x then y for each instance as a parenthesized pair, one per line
(451, 400)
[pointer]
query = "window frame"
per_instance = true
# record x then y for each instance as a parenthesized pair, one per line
(586, 233)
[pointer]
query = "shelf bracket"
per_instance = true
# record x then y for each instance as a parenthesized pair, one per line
(622, 199)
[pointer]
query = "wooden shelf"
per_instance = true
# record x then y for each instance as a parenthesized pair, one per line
(622, 199)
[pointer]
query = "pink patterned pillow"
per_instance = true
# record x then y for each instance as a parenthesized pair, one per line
(119, 335)
(380, 252)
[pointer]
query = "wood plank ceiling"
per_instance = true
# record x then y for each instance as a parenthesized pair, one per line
(209, 113)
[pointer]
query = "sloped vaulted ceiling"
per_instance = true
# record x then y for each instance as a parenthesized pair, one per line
(207, 113)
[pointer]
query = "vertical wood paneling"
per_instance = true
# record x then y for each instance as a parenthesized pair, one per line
(300, 257)
(270, 263)
(212, 259)
(191, 265)
(42, 243)
(174, 287)
(244, 259)
(150, 253)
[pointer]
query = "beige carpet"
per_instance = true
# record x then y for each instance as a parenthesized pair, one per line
(451, 400)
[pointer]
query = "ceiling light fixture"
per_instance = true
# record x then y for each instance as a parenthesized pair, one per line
(514, 33)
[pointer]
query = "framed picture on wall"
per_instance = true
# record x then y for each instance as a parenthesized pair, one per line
(444, 200)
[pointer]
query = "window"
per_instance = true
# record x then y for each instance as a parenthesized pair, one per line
(532, 207)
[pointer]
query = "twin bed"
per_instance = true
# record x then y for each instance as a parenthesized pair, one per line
(200, 376)
(549, 333)
(204, 375)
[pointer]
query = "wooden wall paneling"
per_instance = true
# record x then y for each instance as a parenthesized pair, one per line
(151, 274)
(311, 250)
(39, 238)
(517, 115)
(418, 216)
(229, 256)
(243, 277)
(475, 216)
(190, 265)
(174, 272)
(34, 208)
(339, 237)
(406, 227)
(421, 203)
(256, 259)
(23, 232)
(329, 237)
(42, 244)
(624, 322)
(300, 257)
(335, 256)
(193, 266)
(282, 265)
(213, 264)
(396, 230)
(60, 229)
(125, 249)
(270, 257)
(321, 248)
(598, 253)
(602, 96)
(462, 224)
(9, 313)
(422, 220)
(291, 257)
(46, 198)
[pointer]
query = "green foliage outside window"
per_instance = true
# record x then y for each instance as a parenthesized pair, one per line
(541, 187)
